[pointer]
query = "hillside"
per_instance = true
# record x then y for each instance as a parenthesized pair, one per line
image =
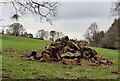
(22, 43)
(25, 69)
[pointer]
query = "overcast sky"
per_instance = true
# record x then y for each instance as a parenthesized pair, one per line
(74, 18)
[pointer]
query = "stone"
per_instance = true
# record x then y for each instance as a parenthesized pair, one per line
(67, 61)
(71, 52)
(74, 61)
(46, 58)
(49, 47)
(65, 38)
(53, 52)
(33, 54)
(66, 49)
(68, 54)
(77, 54)
(86, 54)
(58, 57)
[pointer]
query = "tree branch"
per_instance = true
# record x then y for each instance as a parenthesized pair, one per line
(45, 10)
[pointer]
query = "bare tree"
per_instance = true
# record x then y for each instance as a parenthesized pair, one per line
(91, 31)
(16, 29)
(2, 20)
(59, 35)
(8, 32)
(44, 9)
(41, 34)
(46, 36)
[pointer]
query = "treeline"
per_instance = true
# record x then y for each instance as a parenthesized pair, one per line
(17, 29)
(48, 35)
(109, 39)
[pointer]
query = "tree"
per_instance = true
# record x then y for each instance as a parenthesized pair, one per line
(41, 34)
(16, 29)
(111, 37)
(45, 10)
(116, 8)
(91, 31)
(46, 35)
(59, 35)
(2, 20)
(8, 32)
(116, 11)
(52, 34)
(97, 38)
(2, 31)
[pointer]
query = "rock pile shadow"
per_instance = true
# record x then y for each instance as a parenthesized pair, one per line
(70, 52)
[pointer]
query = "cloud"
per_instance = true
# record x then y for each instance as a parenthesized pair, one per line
(77, 27)
(74, 18)
(73, 10)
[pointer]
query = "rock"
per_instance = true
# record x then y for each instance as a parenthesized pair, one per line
(58, 57)
(71, 52)
(49, 47)
(92, 60)
(33, 54)
(67, 61)
(94, 52)
(97, 57)
(60, 52)
(84, 62)
(86, 54)
(65, 38)
(77, 54)
(31, 58)
(92, 64)
(58, 46)
(68, 54)
(53, 52)
(74, 61)
(75, 46)
(46, 58)
(66, 49)
(47, 51)
(60, 62)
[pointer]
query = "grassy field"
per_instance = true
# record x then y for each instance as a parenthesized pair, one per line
(14, 67)
(22, 43)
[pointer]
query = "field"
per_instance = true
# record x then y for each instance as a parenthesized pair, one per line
(13, 67)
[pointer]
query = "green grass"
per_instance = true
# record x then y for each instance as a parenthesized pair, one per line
(111, 54)
(22, 43)
(16, 68)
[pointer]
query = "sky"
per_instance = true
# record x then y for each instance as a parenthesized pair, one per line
(73, 18)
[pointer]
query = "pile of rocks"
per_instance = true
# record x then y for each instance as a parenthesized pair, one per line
(69, 51)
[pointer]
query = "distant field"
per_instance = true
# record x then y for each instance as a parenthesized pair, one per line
(16, 68)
